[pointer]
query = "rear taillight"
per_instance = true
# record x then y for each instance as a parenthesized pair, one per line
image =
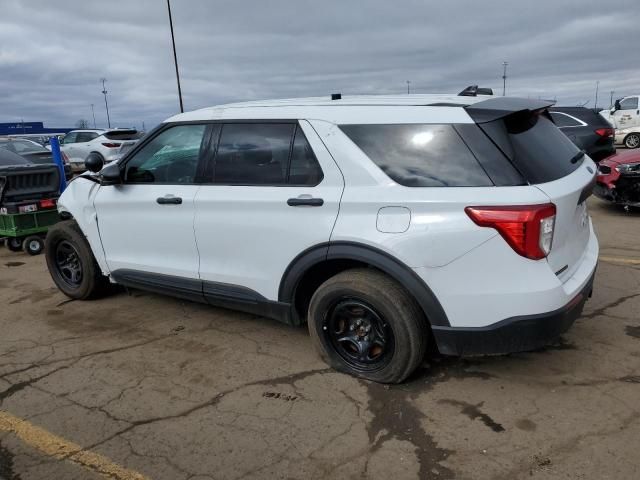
(65, 159)
(110, 144)
(47, 203)
(528, 229)
(605, 132)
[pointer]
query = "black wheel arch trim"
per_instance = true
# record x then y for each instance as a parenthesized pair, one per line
(366, 254)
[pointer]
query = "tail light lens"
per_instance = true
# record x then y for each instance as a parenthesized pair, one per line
(528, 229)
(65, 158)
(47, 203)
(110, 144)
(605, 132)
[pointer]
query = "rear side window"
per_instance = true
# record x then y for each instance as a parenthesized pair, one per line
(305, 169)
(85, 137)
(419, 155)
(535, 146)
(564, 120)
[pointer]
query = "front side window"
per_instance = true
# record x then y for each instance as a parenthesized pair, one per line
(419, 155)
(253, 154)
(630, 103)
(70, 138)
(170, 158)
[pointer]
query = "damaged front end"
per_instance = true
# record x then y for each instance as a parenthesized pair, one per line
(619, 183)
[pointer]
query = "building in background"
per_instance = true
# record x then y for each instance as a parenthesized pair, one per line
(30, 128)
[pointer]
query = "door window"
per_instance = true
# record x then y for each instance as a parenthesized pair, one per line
(169, 158)
(253, 154)
(85, 137)
(70, 138)
(630, 103)
(265, 154)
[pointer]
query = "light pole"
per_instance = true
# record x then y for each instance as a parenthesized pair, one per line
(106, 105)
(94, 116)
(175, 57)
(595, 104)
(504, 78)
(611, 99)
(408, 85)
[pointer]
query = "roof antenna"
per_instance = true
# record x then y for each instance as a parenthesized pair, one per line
(336, 96)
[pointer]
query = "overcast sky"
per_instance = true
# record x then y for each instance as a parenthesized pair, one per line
(53, 53)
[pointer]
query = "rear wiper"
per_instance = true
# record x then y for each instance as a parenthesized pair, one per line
(577, 156)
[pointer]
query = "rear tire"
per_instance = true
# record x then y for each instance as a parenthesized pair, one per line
(13, 243)
(71, 263)
(33, 245)
(632, 140)
(365, 324)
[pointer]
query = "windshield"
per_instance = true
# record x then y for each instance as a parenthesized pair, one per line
(24, 146)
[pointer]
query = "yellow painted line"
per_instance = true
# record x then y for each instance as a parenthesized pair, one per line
(59, 448)
(628, 261)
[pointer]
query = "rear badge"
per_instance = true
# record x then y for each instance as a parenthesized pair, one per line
(590, 169)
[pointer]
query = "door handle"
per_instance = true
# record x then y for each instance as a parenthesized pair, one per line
(302, 201)
(169, 200)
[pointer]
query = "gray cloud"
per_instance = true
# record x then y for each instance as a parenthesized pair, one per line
(52, 54)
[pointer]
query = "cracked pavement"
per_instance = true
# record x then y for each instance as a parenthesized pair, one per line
(138, 384)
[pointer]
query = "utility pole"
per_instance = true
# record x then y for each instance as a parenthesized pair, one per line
(22, 120)
(595, 104)
(175, 57)
(94, 116)
(408, 85)
(504, 78)
(106, 105)
(611, 99)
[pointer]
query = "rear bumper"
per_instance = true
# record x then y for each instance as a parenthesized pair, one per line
(516, 334)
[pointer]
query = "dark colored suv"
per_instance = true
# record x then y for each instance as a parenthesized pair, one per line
(588, 130)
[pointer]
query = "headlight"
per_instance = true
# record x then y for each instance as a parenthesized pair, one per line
(628, 168)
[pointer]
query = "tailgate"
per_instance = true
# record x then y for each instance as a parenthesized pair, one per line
(572, 226)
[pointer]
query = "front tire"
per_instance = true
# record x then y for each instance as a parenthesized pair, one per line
(632, 140)
(364, 323)
(71, 263)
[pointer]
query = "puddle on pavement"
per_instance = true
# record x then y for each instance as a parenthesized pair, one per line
(14, 264)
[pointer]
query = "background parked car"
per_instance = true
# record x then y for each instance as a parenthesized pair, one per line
(589, 131)
(629, 137)
(625, 113)
(33, 152)
(109, 145)
(618, 178)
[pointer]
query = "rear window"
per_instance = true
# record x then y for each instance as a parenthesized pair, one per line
(420, 155)
(535, 146)
(126, 135)
(564, 120)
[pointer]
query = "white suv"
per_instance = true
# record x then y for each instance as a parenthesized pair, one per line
(108, 145)
(381, 222)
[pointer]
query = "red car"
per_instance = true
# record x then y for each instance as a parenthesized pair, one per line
(618, 178)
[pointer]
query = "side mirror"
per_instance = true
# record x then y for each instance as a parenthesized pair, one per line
(94, 163)
(616, 105)
(111, 175)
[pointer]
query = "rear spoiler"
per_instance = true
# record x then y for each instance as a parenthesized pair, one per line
(500, 107)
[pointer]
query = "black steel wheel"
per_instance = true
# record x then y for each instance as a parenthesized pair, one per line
(68, 264)
(359, 334)
(364, 323)
(71, 263)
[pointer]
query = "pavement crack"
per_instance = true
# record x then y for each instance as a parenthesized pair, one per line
(616, 303)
